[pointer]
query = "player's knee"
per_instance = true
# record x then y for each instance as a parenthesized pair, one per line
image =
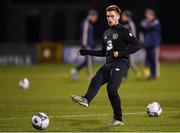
(95, 81)
(112, 91)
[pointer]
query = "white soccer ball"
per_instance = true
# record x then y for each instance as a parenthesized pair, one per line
(24, 84)
(40, 121)
(154, 109)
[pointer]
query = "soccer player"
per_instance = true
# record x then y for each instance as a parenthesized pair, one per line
(150, 32)
(118, 43)
(127, 22)
(86, 42)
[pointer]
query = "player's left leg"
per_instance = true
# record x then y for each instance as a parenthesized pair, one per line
(133, 66)
(74, 71)
(146, 63)
(83, 64)
(116, 75)
(89, 68)
(153, 65)
(157, 62)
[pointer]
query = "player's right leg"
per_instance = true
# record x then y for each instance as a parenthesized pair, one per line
(96, 82)
(80, 100)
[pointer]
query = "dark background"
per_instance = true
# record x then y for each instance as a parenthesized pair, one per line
(59, 20)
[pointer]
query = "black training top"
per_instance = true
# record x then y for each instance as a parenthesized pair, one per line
(116, 38)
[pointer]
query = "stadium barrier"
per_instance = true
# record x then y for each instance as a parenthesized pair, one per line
(55, 52)
(49, 52)
(170, 53)
(18, 54)
(70, 56)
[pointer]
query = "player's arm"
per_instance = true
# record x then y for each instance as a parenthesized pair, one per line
(100, 53)
(155, 26)
(133, 44)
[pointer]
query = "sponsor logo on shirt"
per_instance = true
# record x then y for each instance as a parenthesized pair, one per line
(117, 69)
(130, 34)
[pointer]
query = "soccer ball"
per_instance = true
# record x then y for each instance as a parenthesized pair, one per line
(24, 84)
(40, 121)
(154, 109)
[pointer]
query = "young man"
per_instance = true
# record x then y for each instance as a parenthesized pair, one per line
(127, 22)
(86, 42)
(151, 38)
(118, 43)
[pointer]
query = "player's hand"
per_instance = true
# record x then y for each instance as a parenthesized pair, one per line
(115, 54)
(78, 52)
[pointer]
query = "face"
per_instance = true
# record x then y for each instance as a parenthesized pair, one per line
(124, 18)
(112, 18)
(149, 16)
(93, 18)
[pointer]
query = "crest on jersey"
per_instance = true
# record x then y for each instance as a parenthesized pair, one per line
(115, 36)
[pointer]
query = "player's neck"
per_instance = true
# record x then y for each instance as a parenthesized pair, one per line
(113, 26)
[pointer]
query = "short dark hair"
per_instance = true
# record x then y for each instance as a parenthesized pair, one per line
(149, 10)
(113, 8)
(92, 12)
(127, 13)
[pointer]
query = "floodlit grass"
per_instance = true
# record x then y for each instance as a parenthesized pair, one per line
(52, 85)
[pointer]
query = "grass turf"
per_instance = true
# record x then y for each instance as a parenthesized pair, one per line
(50, 90)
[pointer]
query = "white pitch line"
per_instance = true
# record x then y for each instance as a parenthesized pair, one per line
(88, 115)
(84, 115)
(77, 115)
(13, 118)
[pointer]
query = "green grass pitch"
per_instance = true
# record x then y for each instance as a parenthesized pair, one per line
(50, 90)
